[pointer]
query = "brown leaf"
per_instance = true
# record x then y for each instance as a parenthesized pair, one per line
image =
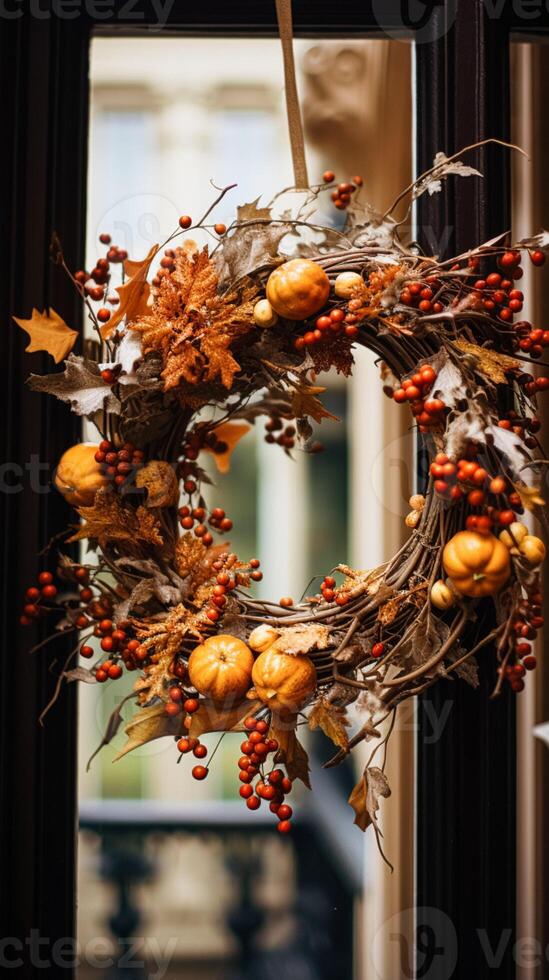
(147, 725)
(161, 483)
(212, 718)
(230, 433)
(530, 497)
(306, 403)
(134, 294)
(490, 362)
(302, 638)
(109, 522)
(332, 720)
(290, 751)
(366, 795)
(189, 553)
(80, 384)
(48, 331)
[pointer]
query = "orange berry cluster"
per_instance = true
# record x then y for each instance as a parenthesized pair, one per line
(341, 195)
(227, 579)
(119, 465)
(94, 285)
(201, 438)
(522, 426)
(193, 518)
(271, 787)
(331, 594)
(428, 412)
(286, 433)
(467, 478)
(421, 295)
(35, 596)
(124, 651)
(338, 320)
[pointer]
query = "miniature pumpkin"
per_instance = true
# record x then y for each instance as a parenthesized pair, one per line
(346, 283)
(476, 564)
(262, 637)
(282, 681)
(442, 596)
(78, 476)
(513, 535)
(298, 289)
(533, 549)
(221, 668)
(264, 315)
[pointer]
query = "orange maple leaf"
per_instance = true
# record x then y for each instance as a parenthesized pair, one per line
(48, 331)
(230, 433)
(134, 294)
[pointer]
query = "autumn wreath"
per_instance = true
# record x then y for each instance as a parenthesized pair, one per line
(186, 364)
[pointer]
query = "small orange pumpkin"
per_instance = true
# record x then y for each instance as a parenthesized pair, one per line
(78, 476)
(298, 289)
(283, 681)
(476, 564)
(221, 668)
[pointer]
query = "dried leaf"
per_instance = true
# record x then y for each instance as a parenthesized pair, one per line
(442, 168)
(147, 725)
(332, 720)
(530, 497)
(83, 674)
(290, 752)
(160, 481)
(80, 384)
(229, 433)
(491, 363)
(48, 331)
(305, 403)
(366, 796)
(134, 294)
(213, 718)
(109, 522)
(303, 638)
(189, 553)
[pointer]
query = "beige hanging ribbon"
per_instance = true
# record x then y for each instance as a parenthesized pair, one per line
(295, 125)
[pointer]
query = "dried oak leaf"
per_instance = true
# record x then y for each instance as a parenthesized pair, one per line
(147, 725)
(190, 552)
(442, 168)
(160, 481)
(306, 403)
(530, 497)
(290, 751)
(134, 294)
(254, 243)
(109, 522)
(213, 718)
(491, 363)
(366, 795)
(303, 638)
(336, 353)
(230, 433)
(48, 331)
(80, 384)
(332, 720)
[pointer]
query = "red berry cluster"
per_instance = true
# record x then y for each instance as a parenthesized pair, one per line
(120, 465)
(227, 579)
(496, 293)
(286, 433)
(523, 426)
(338, 320)
(341, 195)
(468, 478)
(94, 284)
(124, 651)
(201, 438)
(526, 623)
(192, 519)
(530, 340)
(331, 594)
(271, 787)
(428, 412)
(421, 295)
(36, 597)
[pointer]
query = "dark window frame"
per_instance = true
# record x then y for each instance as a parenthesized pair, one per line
(462, 93)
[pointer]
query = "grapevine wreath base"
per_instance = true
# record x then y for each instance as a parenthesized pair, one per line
(185, 365)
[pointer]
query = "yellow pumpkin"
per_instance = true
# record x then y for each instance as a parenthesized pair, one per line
(261, 637)
(298, 289)
(221, 668)
(282, 681)
(533, 549)
(442, 596)
(513, 535)
(78, 476)
(476, 564)
(346, 283)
